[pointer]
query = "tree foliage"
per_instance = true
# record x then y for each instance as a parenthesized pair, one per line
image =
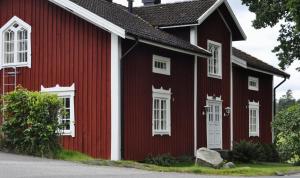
(31, 122)
(287, 13)
(287, 125)
(286, 101)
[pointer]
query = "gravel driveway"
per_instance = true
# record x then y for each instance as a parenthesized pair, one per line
(15, 166)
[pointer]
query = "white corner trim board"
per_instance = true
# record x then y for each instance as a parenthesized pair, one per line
(115, 97)
(90, 17)
(194, 41)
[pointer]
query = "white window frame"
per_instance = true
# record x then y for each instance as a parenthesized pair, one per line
(210, 74)
(254, 106)
(26, 26)
(65, 92)
(253, 79)
(162, 59)
(162, 94)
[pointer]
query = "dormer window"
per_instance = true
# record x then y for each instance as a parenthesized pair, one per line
(15, 44)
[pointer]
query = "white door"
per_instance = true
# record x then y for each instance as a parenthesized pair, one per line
(214, 125)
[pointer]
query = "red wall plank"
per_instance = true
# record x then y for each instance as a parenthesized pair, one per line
(138, 81)
(213, 28)
(241, 100)
(67, 50)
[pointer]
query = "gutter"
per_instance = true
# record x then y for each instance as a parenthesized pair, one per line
(274, 104)
(122, 95)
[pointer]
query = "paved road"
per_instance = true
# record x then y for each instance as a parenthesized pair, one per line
(15, 166)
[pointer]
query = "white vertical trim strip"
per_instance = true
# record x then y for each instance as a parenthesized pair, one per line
(194, 41)
(273, 116)
(231, 96)
(115, 97)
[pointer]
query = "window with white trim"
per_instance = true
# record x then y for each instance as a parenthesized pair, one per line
(253, 119)
(161, 111)
(15, 38)
(214, 66)
(66, 94)
(161, 65)
(253, 83)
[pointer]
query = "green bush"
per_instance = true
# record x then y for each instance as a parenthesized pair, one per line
(287, 127)
(161, 160)
(251, 152)
(31, 122)
(245, 152)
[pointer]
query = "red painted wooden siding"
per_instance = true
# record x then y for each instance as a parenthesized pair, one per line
(66, 50)
(241, 98)
(138, 81)
(213, 28)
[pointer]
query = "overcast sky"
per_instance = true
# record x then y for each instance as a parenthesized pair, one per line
(259, 43)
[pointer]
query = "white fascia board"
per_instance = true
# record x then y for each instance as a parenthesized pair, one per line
(235, 20)
(178, 26)
(168, 47)
(264, 72)
(239, 62)
(242, 63)
(204, 16)
(90, 17)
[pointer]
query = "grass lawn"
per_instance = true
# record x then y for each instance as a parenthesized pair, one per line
(259, 169)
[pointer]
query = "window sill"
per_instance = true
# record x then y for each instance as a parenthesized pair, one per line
(253, 89)
(166, 133)
(254, 135)
(17, 65)
(215, 76)
(66, 133)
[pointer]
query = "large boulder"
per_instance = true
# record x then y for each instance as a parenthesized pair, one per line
(207, 157)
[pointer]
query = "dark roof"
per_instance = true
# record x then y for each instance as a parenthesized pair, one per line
(180, 13)
(135, 25)
(187, 13)
(258, 64)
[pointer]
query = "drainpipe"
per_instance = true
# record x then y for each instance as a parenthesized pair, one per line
(274, 107)
(122, 94)
(274, 104)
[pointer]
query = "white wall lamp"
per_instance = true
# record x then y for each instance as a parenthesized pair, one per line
(206, 110)
(227, 111)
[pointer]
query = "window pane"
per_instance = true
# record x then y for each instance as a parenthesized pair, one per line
(65, 119)
(214, 60)
(9, 47)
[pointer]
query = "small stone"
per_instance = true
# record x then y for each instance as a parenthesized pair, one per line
(207, 157)
(280, 173)
(229, 165)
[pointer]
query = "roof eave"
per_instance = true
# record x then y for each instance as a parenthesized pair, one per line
(90, 17)
(242, 63)
(168, 47)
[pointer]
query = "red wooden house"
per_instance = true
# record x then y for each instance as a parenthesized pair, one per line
(162, 78)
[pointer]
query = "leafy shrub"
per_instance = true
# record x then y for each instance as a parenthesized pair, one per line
(31, 122)
(250, 152)
(161, 160)
(245, 152)
(287, 127)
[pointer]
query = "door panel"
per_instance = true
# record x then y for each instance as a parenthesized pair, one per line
(214, 125)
